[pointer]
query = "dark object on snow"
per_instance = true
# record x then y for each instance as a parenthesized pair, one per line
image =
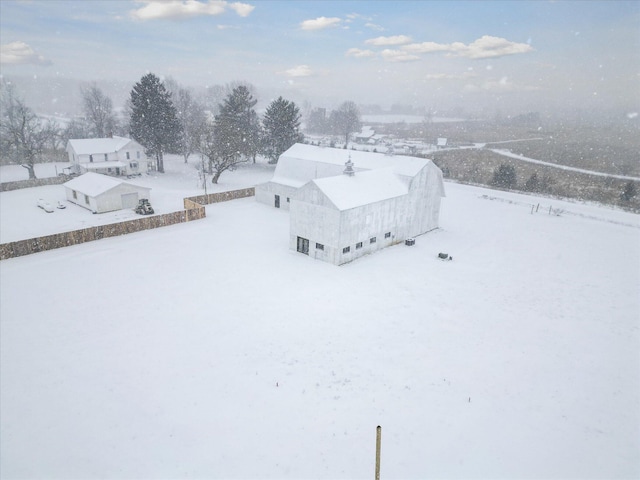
(444, 256)
(410, 242)
(144, 207)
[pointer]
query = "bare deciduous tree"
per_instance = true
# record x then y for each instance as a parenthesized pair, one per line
(98, 110)
(24, 136)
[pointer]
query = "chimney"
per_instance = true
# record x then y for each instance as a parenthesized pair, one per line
(349, 167)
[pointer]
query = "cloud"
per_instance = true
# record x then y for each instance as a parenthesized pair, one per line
(19, 53)
(449, 76)
(358, 53)
(181, 9)
(398, 56)
(387, 41)
(298, 71)
(490, 47)
(320, 23)
(501, 85)
(484, 47)
(242, 9)
(374, 26)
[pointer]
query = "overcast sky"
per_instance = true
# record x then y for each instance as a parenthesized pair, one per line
(532, 55)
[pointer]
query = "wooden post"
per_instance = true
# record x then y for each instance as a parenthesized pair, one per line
(378, 442)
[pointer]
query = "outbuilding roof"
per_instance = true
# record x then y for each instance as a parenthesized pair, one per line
(94, 184)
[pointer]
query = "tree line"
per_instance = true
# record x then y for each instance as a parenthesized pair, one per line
(164, 117)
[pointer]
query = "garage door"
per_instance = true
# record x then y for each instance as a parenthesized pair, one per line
(129, 200)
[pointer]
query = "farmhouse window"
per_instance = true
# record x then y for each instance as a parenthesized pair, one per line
(288, 200)
(346, 249)
(106, 157)
(128, 156)
(91, 158)
(372, 240)
(303, 245)
(387, 235)
(319, 246)
(75, 194)
(133, 164)
(358, 245)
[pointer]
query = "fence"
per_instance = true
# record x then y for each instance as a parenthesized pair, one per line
(194, 210)
(34, 182)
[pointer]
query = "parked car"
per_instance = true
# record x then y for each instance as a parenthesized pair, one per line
(46, 206)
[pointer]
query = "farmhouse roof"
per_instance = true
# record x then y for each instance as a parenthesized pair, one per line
(90, 146)
(367, 187)
(94, 184)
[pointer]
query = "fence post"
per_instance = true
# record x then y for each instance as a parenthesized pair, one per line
(378, 442)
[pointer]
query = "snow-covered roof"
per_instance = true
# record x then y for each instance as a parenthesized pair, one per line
(366, 132)
(442, 142)
(93, 184)
(93, 146)
(363, 188)
(302, 163)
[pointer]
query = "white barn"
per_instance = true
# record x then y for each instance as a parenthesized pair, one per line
(338, 214)
(101, 193)
(111, 156)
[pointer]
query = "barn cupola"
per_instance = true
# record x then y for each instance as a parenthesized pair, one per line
(348, 170)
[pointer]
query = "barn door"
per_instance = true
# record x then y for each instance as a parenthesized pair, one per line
(277, 201)
(303, 245)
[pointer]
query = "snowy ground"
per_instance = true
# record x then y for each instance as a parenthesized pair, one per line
(20, 217)
(209, 350)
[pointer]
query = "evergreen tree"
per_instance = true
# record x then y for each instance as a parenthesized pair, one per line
(154, 122)
(629, 191)
(504, 176)
(237, 127)
(281, 128)
(533, 183)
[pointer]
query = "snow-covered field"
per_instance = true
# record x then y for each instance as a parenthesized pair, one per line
(209, 350)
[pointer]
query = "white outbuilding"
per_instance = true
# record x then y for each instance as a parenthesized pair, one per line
(111, 156)
(344, 203)
(102, 193)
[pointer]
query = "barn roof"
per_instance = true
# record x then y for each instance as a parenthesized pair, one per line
(363, 188)
(94, 184)
(302, 163)
(91, 146)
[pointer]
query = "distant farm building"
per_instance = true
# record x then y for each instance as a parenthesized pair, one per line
(345, 203)
(102, 193)
(109, 156)
(441, 143)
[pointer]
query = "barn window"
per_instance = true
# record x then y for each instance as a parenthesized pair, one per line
(75, 194)
(288, 200)
(387, 235)
(91, 158)
(319, 246)
(372, 240)
(86, 199)
(303, 245)
(346, 249)
(358, 245)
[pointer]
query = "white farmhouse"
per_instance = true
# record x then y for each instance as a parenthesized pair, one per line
(102, 193)
(338, 214)
(112, 156)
